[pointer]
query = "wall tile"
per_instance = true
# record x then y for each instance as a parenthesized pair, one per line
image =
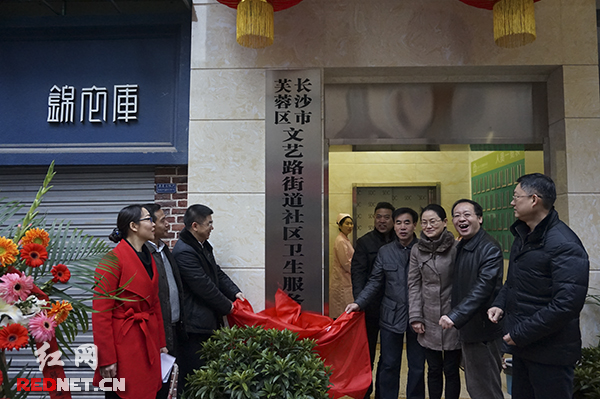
(584, 219)
(252, 284)
(340, 33)
(239, 235)
(579, 41)
(582, 140)
(590, 327)
(227, 94)
(581, 96)
(226, 156)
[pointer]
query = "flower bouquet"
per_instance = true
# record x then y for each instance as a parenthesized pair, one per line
(36, 307)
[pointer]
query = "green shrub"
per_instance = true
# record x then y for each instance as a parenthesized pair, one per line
(587, 374)
(253, 363)
(587, 370)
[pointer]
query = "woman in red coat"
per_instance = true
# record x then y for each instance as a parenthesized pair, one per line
(128, 330)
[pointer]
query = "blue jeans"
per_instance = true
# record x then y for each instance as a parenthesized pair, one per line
(387, 381)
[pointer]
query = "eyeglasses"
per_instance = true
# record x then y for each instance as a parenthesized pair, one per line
(516, 197)
(431, 222)
(147, 218)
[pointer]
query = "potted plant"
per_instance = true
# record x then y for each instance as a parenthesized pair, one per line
(252, 363)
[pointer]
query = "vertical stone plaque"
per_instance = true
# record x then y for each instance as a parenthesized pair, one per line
(294, 203)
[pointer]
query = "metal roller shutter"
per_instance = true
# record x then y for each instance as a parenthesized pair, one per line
(90, 197)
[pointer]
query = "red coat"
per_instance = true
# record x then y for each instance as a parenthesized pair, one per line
(130, 333)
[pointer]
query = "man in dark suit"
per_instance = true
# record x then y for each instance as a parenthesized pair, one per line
(170, 292)
(365, 253)
(208, 293)
(548, 278)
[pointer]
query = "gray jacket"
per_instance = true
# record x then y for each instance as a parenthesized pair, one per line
(389, 274)
(430, 290)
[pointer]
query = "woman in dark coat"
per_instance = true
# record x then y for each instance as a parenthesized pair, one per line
(129, 332)
(429, 297)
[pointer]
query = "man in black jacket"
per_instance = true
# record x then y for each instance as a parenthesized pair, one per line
(390, 273)
(478, 272)
(170, 291)
(545, 291)
(365, 253)
(208, 293)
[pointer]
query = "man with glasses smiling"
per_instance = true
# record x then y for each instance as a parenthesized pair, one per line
(477, 279)
(543, 296)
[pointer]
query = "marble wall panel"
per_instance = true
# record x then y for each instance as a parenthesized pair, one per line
(578, 40)
(252, 284)
(582, 142)
(226, 156)
(584, 219)
(239, 221)
(590, 316)
(227, 94)
(356, 33)
(581, 96)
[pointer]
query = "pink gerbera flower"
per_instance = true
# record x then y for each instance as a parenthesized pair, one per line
(14, 287)
(42, 327)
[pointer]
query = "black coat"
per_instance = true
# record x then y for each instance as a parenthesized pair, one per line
(164, 294)
(363, 259)
(208, 292)
(390, 275)
(478, 272)
(545, 291)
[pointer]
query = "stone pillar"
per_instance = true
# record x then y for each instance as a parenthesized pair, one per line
(574, 127)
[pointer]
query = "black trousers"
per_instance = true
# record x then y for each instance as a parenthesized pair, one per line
(189, 356)
(442, 364)
(532, 380)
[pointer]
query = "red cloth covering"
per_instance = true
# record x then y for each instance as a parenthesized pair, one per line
(485, 4)
(341, 343)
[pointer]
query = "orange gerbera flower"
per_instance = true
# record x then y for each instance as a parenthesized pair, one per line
(36, 236)
(13, 336)
(8, 251)
(61, 273)
(60, 311)
(34, 255)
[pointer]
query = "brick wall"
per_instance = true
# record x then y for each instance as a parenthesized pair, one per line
(174, 205)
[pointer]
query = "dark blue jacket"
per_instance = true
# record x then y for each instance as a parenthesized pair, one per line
(390, 275)
(545, 291)
(364, 257)
(208, 292)
(478, 272)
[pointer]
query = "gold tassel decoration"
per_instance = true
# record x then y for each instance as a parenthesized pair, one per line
(255, 23)
(514, 23)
